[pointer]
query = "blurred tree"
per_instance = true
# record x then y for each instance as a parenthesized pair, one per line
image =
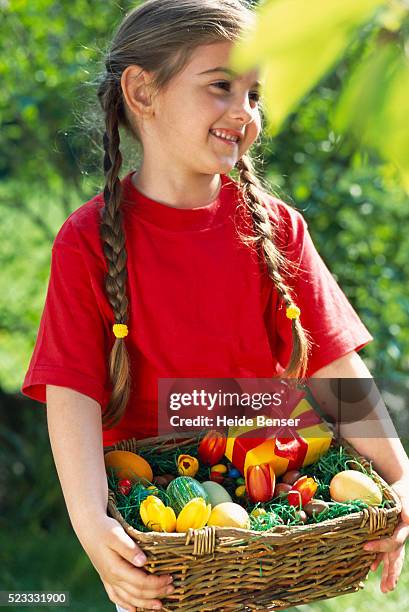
(50, 55)
(47, 51)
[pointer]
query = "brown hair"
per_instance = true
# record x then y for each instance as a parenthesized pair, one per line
(159, 36)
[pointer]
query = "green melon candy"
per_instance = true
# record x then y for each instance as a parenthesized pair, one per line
(181, 490)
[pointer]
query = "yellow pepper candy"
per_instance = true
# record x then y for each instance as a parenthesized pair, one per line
(156, 515)
(188, 465)
(240, 491)
(194, 515)
(222, 469)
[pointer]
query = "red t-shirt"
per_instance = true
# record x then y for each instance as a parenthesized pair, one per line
(200, 303)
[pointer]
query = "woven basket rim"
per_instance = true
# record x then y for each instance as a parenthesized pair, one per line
(281, 531)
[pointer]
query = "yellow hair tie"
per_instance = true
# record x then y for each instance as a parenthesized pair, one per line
(120, 330)
(293, 312)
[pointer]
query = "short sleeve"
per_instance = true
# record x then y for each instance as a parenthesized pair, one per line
(71, 347)
(334, 327)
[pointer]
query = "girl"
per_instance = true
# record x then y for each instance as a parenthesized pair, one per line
(178, 270)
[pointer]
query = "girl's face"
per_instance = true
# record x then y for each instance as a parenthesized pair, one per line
(200, 99)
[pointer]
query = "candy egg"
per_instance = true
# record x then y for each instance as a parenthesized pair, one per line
(241, 481)
(216, 493)
(315, 506)
(291, 476)
(219, 467)
(301, 515)
(216, 477)
(351, 485)
(128, 465)
(181, 490)
(281, 489)
(233, 473)
(161, 481)
(258, 512)
(240, 491)
(229, 514)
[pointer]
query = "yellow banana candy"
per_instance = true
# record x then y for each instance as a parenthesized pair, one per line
(194, 515)
(156, 515)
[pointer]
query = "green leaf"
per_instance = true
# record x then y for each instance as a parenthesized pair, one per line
(394, 116)
(294, 43)
(373, 105)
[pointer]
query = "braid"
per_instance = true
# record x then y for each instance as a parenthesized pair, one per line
(113, 239)
(275, 262)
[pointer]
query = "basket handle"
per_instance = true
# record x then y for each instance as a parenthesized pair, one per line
(376, 517)
(204, 540)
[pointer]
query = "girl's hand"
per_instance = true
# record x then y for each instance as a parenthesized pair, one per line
(114, 555)
(392, 549)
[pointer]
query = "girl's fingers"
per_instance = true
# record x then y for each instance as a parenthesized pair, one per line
(134, 591)
(123, 544)
(385, 573)
(117, 599)
(132, 603)
(124, 605)
(376, 562)
(395, 567)
(152, 586)
(392, 543)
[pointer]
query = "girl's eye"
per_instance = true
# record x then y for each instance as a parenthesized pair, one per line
(254, 95)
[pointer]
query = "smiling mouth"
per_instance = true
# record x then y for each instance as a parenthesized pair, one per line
(228, 142)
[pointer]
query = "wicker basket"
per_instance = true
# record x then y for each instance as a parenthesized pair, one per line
(220, 568)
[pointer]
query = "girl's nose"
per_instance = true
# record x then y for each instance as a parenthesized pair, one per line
(242, 110)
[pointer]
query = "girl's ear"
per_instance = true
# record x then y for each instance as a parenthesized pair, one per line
(136, 90)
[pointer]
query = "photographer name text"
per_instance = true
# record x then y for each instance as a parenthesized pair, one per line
(224, 421)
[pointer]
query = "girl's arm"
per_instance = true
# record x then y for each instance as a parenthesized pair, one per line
(381, 444)
(75, 429)
(374, 436)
